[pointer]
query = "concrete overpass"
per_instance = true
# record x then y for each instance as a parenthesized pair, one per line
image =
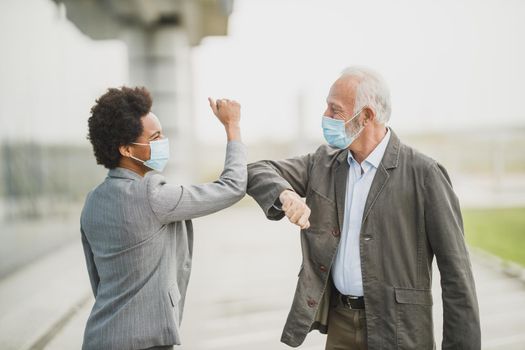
(159, 35)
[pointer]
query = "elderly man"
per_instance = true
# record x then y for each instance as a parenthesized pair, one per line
(376, 214)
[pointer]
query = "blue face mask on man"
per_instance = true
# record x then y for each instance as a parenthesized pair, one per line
(334, 131)
(159, 154)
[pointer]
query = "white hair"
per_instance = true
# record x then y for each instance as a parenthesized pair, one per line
(372, 91)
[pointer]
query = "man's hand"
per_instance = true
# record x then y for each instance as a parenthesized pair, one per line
(229, 114)
(295, 209)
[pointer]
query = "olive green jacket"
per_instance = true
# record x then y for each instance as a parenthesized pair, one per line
(411, 215)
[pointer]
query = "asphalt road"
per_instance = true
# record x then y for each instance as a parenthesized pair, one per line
(244, 275)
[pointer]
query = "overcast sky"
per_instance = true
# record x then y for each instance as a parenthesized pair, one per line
(450, 64)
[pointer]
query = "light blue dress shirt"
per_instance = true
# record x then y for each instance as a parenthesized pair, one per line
(346, 271)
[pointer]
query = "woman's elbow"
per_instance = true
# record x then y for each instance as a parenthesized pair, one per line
(236, 187)
(240, 191)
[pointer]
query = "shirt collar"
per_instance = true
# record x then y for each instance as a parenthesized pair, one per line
(376, 156)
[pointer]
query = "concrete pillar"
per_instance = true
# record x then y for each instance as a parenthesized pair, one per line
(159, 59)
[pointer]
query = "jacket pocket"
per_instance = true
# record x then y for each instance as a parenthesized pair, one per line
(174, 296)
(414, 327)
(413, 296)
(173, 313)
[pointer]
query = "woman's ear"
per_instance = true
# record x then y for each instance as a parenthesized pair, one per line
(125, 150)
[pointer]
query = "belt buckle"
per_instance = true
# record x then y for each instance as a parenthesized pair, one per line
(346, 301)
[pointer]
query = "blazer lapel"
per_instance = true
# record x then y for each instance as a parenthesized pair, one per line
(341, 174)
(378, 184)
(389, 161)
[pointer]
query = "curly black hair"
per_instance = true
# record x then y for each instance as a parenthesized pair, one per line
(115, 121)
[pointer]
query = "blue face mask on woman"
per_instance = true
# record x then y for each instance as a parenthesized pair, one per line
(159, 154)
(334, 131)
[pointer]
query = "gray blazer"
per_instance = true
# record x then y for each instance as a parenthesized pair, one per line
(137, 238)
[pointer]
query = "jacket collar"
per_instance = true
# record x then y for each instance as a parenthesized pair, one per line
(391, 157)
(374, 158)
(123, 173)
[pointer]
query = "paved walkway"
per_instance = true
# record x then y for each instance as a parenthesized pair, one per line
(242, 285)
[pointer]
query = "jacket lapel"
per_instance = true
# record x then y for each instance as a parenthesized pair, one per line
(341, 173)
(389, 161)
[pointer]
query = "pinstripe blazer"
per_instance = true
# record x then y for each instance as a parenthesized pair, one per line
(137, 238)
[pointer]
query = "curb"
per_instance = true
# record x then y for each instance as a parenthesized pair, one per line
(507, 267)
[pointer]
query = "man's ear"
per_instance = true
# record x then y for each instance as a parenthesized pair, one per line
(370, 115)
(125, 150)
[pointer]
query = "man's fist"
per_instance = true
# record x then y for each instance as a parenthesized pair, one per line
(295, 209)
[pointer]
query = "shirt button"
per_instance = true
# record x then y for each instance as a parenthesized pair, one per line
(322, 268)
(311, 302)
(336, 232)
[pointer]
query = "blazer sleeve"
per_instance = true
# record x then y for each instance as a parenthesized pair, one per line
(172, 203)
(94, 278)
(444, 227)
(267, 179)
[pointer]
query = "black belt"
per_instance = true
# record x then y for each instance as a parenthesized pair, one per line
(351, 301)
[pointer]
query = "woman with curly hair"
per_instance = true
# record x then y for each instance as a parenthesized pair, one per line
(136, 228)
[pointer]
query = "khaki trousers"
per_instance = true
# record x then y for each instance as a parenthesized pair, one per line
(346, 328)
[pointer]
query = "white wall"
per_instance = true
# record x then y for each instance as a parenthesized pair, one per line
(50, 73)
